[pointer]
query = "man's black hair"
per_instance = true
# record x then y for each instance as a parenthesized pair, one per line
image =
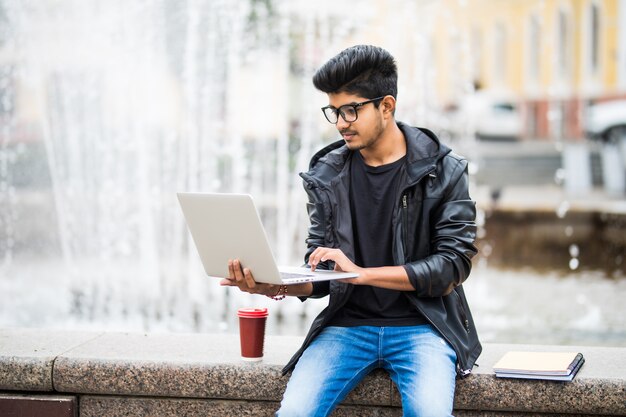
(365, 70)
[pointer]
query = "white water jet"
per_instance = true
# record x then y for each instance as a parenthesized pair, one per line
(117, 105)
(131, 103)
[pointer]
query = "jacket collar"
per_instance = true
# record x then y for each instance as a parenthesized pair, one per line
(423, 152)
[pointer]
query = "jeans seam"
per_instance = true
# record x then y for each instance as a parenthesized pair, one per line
(334, 403)
(397, 382)
(381, 334)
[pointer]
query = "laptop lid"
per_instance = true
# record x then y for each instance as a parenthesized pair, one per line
(227, 226)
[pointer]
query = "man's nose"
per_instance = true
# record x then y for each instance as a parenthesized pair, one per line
(341, 123)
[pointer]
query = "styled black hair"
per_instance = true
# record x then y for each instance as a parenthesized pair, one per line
(364, 70)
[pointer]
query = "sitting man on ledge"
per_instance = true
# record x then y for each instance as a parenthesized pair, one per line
(390, 202)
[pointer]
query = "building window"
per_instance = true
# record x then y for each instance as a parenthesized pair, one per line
(594, 37)
(622, 45)
(563, 45)
(500, 40)
(476, 56)
(534, 48)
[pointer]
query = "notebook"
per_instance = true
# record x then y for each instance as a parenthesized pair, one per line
(228, 226)
(559, 366)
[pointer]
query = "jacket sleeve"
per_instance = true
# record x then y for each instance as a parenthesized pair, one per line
(452, 234)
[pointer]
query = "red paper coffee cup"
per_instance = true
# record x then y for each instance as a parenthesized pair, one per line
(252, 332)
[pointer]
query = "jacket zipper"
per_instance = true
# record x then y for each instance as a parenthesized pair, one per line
(405, 224)
(462, 311)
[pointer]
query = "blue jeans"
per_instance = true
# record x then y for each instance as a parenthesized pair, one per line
(419, 361)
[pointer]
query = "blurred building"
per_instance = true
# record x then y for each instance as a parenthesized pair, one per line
(550, 59)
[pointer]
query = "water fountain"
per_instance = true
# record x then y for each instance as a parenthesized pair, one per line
(130, 104)
(107, 109)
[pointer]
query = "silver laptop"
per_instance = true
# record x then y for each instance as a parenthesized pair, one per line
(228, 226)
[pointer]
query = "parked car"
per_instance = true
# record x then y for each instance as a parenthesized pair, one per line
(489, 116)
(606, 120)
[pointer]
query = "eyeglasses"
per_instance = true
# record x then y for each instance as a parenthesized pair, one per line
(348, 111)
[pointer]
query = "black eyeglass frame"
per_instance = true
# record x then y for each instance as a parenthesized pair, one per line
(355, 106)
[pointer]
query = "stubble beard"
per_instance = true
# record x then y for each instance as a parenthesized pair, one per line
(368, 142)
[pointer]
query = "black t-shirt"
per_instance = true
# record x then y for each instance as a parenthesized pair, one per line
(372, 201)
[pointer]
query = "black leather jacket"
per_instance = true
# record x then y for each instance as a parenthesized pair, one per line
(433, 235)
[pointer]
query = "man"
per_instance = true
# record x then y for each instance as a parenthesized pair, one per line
(390, 202)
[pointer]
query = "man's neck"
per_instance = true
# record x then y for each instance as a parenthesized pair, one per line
(390, 147)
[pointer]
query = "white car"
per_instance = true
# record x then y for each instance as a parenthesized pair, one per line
(488, 116)
(606, 120)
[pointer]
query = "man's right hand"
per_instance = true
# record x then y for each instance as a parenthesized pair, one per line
(243, 279)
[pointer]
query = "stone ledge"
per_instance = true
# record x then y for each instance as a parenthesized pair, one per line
(104, 367)
(27, 356)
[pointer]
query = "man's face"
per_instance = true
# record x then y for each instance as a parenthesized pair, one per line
(363, 132)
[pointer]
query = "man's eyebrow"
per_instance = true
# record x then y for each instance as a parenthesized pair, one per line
(346, 104)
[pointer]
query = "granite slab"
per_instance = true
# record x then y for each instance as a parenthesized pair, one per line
(475, 413)
(97, 406)
(27, 356)
(189, 365)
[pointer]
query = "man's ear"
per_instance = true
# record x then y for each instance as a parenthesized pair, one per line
(388, 105)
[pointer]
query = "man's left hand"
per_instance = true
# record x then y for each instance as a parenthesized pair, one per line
(342, 262)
